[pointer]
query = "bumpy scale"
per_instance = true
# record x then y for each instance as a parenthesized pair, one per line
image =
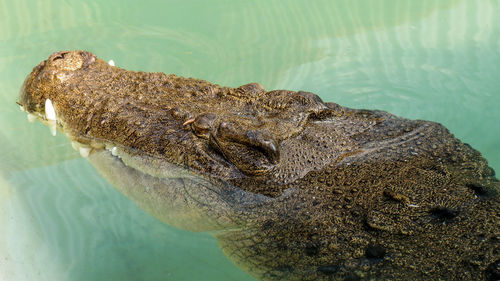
(293, 188)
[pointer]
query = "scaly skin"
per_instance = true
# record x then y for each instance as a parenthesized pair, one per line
(292, 188)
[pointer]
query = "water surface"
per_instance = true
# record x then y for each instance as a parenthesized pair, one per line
(59, 220)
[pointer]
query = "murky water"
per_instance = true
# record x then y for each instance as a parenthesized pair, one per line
(59, 220)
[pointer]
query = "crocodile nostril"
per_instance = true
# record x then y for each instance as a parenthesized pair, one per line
(59, 56)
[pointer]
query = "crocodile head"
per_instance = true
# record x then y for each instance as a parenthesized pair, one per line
(292, 187)
(178, 139)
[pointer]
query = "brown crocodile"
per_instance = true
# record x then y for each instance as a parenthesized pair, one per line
(293, 188)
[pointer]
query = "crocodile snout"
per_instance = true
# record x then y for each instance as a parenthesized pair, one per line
(70, 60)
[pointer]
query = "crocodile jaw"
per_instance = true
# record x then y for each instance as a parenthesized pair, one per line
(170, 192)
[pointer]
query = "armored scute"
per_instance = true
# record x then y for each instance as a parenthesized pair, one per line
(293, 188)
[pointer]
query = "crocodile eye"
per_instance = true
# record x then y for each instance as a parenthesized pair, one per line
(202, 124)
(253, 151)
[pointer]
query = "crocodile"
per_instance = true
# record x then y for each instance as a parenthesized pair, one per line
(292, 187)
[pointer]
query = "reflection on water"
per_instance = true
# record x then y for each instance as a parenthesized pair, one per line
(77, 227)
(59, 220)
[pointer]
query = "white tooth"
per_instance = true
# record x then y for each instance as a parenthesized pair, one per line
(50, 113)
(85, 151)
(52, 127)
(114, 151)
(21, 108)
(75, 145)
(111, 62)
(31, 117)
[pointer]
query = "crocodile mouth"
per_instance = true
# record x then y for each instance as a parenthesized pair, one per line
(137, 145)
(49, 118)
(87, 147)
(172, 193)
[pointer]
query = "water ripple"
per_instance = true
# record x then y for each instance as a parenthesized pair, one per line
(434, 60)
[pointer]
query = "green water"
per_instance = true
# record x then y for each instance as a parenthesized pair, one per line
(437, 60)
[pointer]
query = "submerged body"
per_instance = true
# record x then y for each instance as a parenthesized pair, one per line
(292, 188)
